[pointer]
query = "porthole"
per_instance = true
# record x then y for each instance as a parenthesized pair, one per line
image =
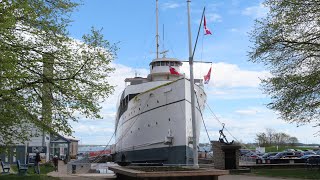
(156, 123)
(169, 119)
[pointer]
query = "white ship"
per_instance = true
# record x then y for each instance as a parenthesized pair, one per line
(154, 120)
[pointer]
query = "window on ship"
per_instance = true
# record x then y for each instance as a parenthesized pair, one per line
(124, 103)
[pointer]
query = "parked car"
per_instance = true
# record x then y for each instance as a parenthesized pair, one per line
(289, 150)
(309, 152)
(251, 155)
(269, 155)
(244, 151)
(308, 156)
(298, 153)
(282, 155)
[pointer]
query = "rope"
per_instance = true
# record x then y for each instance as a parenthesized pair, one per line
(204, 124)
(243, 145)
(99, 157)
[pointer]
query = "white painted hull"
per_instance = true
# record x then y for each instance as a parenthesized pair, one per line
(158, 117)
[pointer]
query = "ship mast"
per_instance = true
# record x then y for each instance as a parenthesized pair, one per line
(157, 33)
(193, 112)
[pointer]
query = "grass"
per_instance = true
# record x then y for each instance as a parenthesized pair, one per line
(282, 148)
(289, 173)
(44, 169)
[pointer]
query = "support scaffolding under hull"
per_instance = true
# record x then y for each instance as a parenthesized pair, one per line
(166, 155)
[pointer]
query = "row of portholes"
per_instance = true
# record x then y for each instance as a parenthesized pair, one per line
(150, 125)
(139, 110)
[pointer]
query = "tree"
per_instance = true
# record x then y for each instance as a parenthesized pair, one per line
(262, 139)
(281, 138)
(287, 41)
(271, 137)
(45, 76)
(293, 141)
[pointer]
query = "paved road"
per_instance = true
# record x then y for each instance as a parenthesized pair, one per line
(250, 177)
(62, 174)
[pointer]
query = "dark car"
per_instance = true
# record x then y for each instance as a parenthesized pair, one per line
(309, 156)
(244, 151)
(298, 153)
(282, 155)
(309, 153)
(269, 155)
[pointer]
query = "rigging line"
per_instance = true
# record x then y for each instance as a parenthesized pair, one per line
(204, 124)
(101, 152)
(225, 127)
(221, 122)
(195, 45)
(203, 121)
(97, 158)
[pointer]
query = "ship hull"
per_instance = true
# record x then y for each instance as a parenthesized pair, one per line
(155, 125)
(165, 155)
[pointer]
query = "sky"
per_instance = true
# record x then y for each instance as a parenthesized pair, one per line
(234, 94)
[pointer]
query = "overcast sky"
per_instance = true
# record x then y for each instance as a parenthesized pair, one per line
(234, 94)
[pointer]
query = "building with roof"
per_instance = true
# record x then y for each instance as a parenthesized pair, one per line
(47, 145)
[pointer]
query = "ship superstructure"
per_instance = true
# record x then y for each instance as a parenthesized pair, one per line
(153, 122)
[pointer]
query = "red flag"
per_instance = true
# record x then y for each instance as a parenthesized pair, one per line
(173, 71)
(206, 30)
(207, 77)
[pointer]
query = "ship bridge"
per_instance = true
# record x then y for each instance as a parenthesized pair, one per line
(160, 69)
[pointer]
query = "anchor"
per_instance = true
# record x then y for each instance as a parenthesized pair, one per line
(222, 138)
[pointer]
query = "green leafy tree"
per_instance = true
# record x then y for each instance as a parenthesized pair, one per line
(271, 137)
(287, 41)
(46, 77)
(293, 141)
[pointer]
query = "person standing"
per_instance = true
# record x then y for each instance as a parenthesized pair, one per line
(36, 163)
(55, 162)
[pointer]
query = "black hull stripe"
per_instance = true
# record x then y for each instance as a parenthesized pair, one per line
(153, 109)
(182, 155)
(157, 108)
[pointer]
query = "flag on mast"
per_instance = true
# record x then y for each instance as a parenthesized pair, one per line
(207, 77)
(206, 30)
(173, 71)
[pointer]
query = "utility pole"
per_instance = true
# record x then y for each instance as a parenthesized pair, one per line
(193, 112)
